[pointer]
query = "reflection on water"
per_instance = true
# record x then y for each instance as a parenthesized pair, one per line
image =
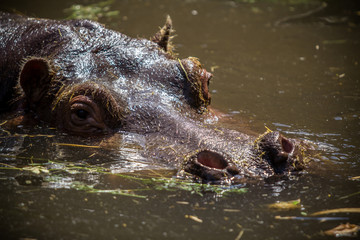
(300, 77)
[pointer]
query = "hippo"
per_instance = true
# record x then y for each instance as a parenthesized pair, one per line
(87, 80)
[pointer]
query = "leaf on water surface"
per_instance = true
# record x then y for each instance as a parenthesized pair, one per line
(160, 183)
(337, 210)
(94, 11)
(286, 205)
(171, 184)
(344, 230)
(36, 169)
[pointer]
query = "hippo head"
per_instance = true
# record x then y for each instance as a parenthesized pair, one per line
(100, 82)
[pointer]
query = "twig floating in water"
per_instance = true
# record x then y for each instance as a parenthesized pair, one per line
(350, 195)
(238, 237)
(338, 210)
(301, 15)
(355, 178)
(321, 219)
(194, 218)
(75, 145)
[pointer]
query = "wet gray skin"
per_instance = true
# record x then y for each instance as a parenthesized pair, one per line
(90, 81)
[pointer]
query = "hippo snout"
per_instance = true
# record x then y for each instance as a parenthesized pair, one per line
(210, 166)
(272, 154)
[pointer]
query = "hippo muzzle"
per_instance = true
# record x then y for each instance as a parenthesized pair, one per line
(273, 154)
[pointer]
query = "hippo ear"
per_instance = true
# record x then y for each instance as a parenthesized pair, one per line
(35, 78)
(286, 145)
(162, 37)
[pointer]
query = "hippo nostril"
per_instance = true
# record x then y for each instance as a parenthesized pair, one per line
(212, 160)
(210, 166)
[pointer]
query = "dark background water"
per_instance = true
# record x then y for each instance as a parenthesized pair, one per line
(299, 75)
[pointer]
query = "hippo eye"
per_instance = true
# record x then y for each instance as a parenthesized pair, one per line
(85, 116)
(82, 114)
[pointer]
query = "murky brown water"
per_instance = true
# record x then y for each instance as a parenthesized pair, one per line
(301, 77)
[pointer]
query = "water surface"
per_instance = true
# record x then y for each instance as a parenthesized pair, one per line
(296, 75)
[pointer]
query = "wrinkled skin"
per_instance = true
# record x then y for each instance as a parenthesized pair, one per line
(87, 80)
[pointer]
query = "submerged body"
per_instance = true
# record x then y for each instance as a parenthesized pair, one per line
(87, 80)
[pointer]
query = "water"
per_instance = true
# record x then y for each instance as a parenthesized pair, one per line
(300, 77)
